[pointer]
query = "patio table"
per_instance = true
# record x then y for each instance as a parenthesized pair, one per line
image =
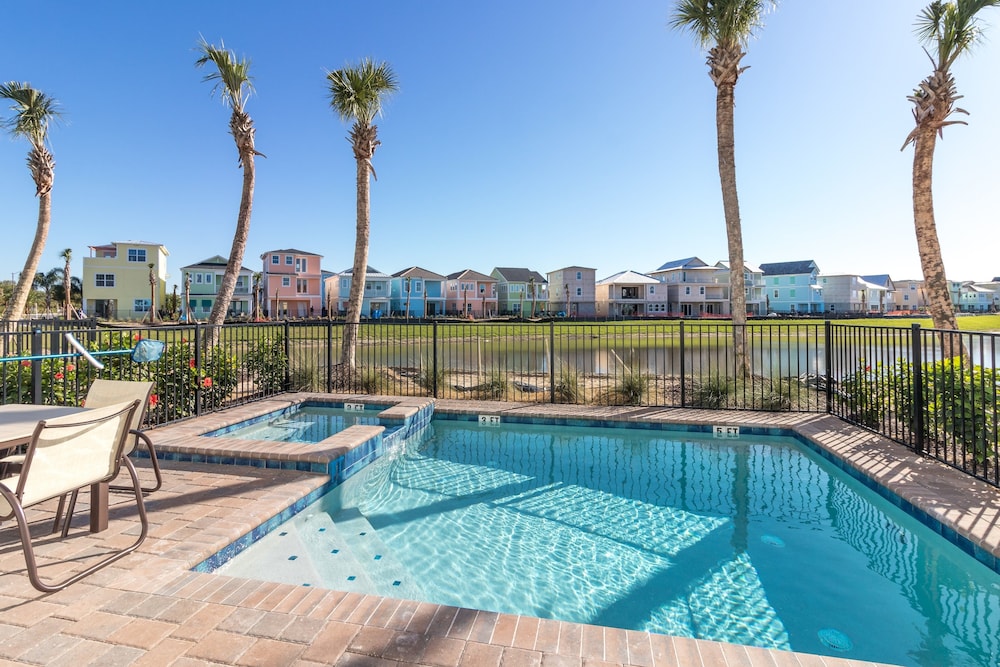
(17, 424)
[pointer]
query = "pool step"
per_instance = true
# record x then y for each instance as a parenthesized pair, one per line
(385, 573)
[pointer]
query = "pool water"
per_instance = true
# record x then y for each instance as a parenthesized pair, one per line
(301, 423)
(754, 541)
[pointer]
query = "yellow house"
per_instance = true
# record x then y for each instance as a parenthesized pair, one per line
(125, 280)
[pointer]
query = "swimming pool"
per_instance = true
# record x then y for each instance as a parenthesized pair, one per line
(305, 422)
(751, 540)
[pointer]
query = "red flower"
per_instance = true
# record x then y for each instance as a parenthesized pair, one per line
(25, 363)
(184, 340)
(58, 376)
(83, 402)
(153, 400)
(207, 382)
(70, 368)
(135, 337)
(191, 363)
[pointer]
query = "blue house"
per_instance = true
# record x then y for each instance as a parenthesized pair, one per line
(416, 292)
(792, 287)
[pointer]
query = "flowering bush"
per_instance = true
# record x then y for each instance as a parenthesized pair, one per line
(180, 383)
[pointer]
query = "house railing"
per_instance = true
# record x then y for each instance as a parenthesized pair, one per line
(891, 380)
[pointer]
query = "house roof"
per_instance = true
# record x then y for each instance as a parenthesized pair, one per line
(369, 273)
(747, 266)
(469, 274)
(629, 277)
(213, 262)
(687, 262)
(788, 268)
(882, 280)
(291, 251)
(417, 272)
(517, 275)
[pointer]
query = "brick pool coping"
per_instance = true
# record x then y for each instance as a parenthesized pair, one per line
(150, 608)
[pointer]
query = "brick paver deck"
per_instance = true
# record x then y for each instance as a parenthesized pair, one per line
(150, 609)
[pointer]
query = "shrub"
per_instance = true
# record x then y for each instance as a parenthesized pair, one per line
(711, 392)
(180, 383)
(630, 389)
(567, 387)
(266, 363)
(428, 376)
(495, 386)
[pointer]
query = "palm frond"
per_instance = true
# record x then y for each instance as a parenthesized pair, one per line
(358, 93)
(231, 75)
(951, 28)
(34, 112)
(727, 23)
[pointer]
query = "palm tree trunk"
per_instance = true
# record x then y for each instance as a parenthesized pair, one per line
(242, 129)
(18, 301)
(724, 103)
(360, 268)
(67, 289)
(935, 280)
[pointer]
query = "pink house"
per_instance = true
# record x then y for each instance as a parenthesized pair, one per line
(470, 293)
(291, 284)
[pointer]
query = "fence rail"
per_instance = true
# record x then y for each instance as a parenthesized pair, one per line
(892, 380)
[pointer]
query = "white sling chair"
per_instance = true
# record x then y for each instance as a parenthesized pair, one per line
(67, 454)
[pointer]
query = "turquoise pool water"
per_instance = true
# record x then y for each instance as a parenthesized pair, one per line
(755, 541)
(300, 423)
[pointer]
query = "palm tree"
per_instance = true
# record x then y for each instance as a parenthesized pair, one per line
(46, 282)
(949, 29)
(724, 27)
(34, 112)
(357, 95)
(67, 256)
(232, 81)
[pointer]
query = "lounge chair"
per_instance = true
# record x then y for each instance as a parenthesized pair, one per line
(67, 454)
(108, 392)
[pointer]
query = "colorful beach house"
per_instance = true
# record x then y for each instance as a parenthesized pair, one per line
(375, 304)
(793, 287)
(849, 293)
(521, 292)
(471, 294)
(572, 291)
(631, 294)
(290, 284)
(201, 283)
(417, 292)
(694, 289)
(125, 280)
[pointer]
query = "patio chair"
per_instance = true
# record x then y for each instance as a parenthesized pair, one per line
(109, 392)
(67, 454)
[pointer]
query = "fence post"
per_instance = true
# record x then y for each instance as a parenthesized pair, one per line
(36, 367)
(288, 356)
(434, 362)
(828, 358)
(329, 357)
(917, 364)
(683, 366)
(197, 364)
(552, 361)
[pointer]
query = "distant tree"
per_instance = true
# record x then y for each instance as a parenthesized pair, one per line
(233, 83)
(67, 256)
(34, 112)
(949, 29)
(75, 294)
(357, 95)
(46, 283)
(725, 27)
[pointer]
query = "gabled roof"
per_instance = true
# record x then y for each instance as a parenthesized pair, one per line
(417, 272)
(469, 274)
(516, 275)
(369, 273)
(789, 268)
(213, 262)
(882, 280)
(290, 251)
(747, 266)
(686, 263)
(629, 277)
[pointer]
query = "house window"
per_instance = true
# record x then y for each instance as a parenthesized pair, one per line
(288, 260)
(104, 280)
(140, 305)
(652, 289)
(198, 278)
(345, 284)
(137, 255)
(418, 286)
(701, 290)
(687, 290)
(301, 286)
(791, 294)
(286, 281)
(579, 275)
(579, 291)
(906, 297)
(775, 294)
(275, 259)
(300, 265)
(241, 282)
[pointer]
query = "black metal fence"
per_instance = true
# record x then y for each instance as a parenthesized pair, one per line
(893, 380)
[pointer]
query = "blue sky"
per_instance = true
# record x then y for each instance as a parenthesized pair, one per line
(540, 134)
